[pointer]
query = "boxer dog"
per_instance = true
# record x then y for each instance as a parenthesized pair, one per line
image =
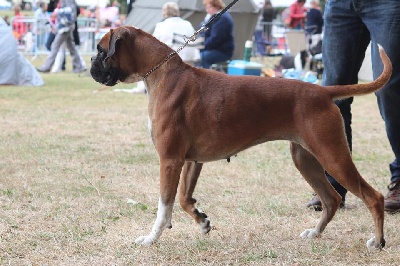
(199, 115)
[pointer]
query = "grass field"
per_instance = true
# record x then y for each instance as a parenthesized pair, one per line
(71, 160)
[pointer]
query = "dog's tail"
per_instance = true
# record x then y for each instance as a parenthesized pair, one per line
(344, 91)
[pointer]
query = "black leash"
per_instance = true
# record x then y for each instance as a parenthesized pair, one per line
(192, 38)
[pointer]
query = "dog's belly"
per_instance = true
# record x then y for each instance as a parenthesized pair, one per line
(218, 140)
(211, 150)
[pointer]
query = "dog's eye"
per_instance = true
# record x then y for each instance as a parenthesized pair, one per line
(99, 49)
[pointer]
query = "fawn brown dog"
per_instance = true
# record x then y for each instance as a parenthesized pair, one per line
(198, 115)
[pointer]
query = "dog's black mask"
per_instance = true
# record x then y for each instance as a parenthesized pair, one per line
(101, 69)
(105, 65)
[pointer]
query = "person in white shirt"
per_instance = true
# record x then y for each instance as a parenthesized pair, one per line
(165, 30)
(173, 24)
(42, 19)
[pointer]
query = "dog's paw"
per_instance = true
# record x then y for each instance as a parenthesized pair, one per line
(205, 226)
(371, 243)
(309, 233)
(145, 240)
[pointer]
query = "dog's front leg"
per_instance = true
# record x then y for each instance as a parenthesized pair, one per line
(190, 174)
(169, 179)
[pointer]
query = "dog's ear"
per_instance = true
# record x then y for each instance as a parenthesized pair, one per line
(117, 36)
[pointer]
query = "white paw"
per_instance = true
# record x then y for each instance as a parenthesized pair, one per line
(205, 226)
(145, 240)
(371, 243)
(309, 233)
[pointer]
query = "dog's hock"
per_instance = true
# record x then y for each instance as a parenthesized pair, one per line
(309, 233)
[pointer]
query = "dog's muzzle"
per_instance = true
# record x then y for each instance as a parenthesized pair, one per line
(103, 72)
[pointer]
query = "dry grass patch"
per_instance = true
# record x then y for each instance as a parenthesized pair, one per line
(70, 160)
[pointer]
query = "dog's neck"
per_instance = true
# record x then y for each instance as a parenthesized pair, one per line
(148, 67)
(160, 64)
(166, 71)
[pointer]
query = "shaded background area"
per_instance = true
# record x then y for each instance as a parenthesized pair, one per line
(146, 14)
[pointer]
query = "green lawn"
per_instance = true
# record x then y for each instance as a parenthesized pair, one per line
(74, 162)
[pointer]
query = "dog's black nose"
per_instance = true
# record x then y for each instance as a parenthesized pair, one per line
(92, 58)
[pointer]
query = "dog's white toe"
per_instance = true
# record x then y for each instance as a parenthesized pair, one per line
(371, 243)
(145, 240)
(309, 233)
(205, 226)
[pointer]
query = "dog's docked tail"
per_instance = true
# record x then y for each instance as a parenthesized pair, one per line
(344, 91)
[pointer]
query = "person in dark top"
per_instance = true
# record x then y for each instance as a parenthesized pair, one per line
(314, 24)
(130, 6)
(218, 39)
(268, 15)
(314, 19)
(50, 9)
(349, 28)
(52, 5)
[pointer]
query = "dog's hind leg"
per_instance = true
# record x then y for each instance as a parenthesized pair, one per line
(169, 179)
(348, 176)
(189, 176)
(313, 173)
(333, 154)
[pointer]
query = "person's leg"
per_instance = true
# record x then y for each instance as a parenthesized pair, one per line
(55, 47)
(50, 40)
(76, 61)
(58, 61)
(343, 49)
(383, 22)
(209, 57)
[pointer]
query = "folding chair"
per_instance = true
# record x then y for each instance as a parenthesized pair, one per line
(296, 41)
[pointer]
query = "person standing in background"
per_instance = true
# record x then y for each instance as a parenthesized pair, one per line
(314, 22)
(52, 22)
(297, 15)
(42, 18)
(349, 27)
(19, 28)
(268, 15)
(66, 17)
(130, 6)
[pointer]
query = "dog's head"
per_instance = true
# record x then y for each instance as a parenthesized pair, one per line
(110, 65)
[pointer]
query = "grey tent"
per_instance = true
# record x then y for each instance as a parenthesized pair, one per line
(15, 69)
(145, 14)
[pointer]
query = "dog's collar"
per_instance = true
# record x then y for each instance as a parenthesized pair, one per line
(160, 64)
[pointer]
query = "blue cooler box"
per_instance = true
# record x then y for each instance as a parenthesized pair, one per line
(241, 67)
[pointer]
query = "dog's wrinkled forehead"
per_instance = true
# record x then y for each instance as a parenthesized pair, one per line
(112, 39)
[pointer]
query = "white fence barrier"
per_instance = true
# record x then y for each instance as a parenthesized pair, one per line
(33, 35)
